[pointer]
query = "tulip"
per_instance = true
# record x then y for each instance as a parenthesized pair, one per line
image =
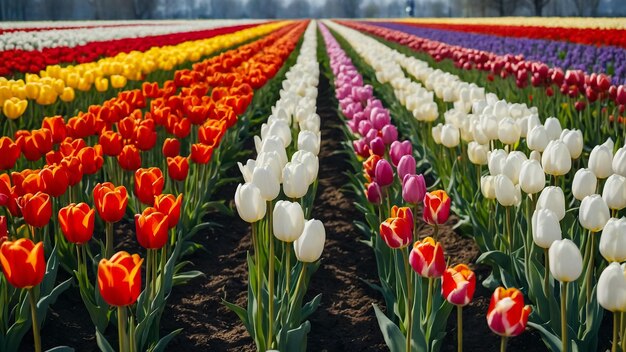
(618, 164)
(406, 166)
(178, 168)
(537, 139)
(553, 128)
(450, 136)
(613, 240)
(310, 141)
(584, 184)
(377, 146)
(383, 173)
(77, 222)
(111, 142)
(373, 193)
(556, 159)
(247, 169)
(593, 213)
(611, 289)
(10, 153)
(119, 279)
(507, 193)
(496, 161)
(251, 206)
(458, 285)
(507, 316)
(295, 176)
(513, 165)
(23, 262)
(110, 201)
(271, 160)
(477, 153)
(201, 154)
(288, 220)
(545, 228)
(531, 177)
(389, 134)
(573, 139)
(151, 227)
(55, 180)
(309, 246)
(436, 207)
(508, 131)
(427, 258)
(91, 159)
(4, 233)
(399, 149)
(552, 198)
(14, 108)
(397, 231)
(488, 186)
(566, 262)
(267, 182)
(148, 184)
(171, 206)
(413, 189)
(171, 147)
(614, 192)
(36, 208)
(310, 161)
(600, 161)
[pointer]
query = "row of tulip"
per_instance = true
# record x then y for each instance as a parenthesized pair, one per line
(55, 86)
(514, 251)
(32, 26)
(31, 203)
(574, 97)
(287, 155)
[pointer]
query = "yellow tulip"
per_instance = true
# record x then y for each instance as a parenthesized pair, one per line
(72, 80)
(102, 84)
(5, 92)
(47, 95)
(14, 108)
(18, 91)
(118, 81)
(32, 89)
(58, 85)
(84, 85)
(68, 94)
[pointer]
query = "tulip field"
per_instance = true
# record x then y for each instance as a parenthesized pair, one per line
(397, 185)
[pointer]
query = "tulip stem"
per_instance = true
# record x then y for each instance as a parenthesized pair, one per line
(271, 279)
(108, 251)
(288, 267)
(121, 328)
(409, 299)
(259, 289)
(590, 267)
(33, 311)
(429, 298)
(564, 316)
(155, 258)
(546, 278)
(615, 324)
(509, 236)
(503, 341)
(459, 322)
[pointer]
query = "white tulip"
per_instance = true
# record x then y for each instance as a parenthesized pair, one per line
(477, 153)
(295, 177)
(309, 246)
(619, 162)
(489, 125)
(268, 183)
(278, 128)
(614, 192)
(552, 198)
(611, 289)
(545, 227)
(450, 136)
(508, 131)
(272, 144)
(310, 141)
(288, 220)
(573, 139)
(497, 159)
(532, 179)
(556, 159)
(593, 213)
(613, 240)
(584, 183)
(553, 128)
(251, 207)
(436, 133)
(600, 161)
(246, 170)
(507, 193)
(513, 165)
(566, 262)
(535, 155)
(488, 186)
(537, 138)
(310, 160)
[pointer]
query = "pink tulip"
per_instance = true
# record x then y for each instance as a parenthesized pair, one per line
(413, 188)
(364, 127)
(377, 146)
(390, 134)
(406, 166)
(398, 150)
(373, 193)
(383, 173)
(380, 118)
(361, 148)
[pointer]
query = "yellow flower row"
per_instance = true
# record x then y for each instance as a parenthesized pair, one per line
(567, 22)
(56, 82)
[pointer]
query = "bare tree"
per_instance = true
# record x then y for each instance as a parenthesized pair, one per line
(538, 6)
(589, 5)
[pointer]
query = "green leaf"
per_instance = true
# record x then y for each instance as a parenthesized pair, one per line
(185, 277)
(61, 349)
(296, 338)
(391, 332)
(310, 307)
(103, 344)
(165, 340)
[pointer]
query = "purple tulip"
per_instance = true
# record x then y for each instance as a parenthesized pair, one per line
(406, 166)
(353, 126)
(364, 127)
(383, 173)
(413, 188)
(371, 134)
(398, 150)
(380, 118)
(377, 146)
(373, 193)
(390, 134)
(361, 148)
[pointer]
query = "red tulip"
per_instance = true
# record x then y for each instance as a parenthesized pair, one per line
(171, 147)
(170, 206)
(23, 262)
(178, 168)
(77, 222)
(91, 159)
(110, 201)
(507, 315)
(10, 153)
(119, 279)
(458, 285)
(36, 208)
(436, 207)
(427, 258)
(397, 231)
(4, 232)
(129, 159)
(56, 126)
(201, 154)
(148, 184)
(144, 137)
(55, 180)
(151, 227)
(73, 168)
(111, 143)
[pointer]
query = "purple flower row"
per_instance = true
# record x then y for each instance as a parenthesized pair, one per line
(606, 59)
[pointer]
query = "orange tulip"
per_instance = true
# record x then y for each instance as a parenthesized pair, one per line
(23, 262)
(36, 208)
(10, 153)
(27, 181)
(427, 258)
(55, 180)
(111, 143)
(171, 147)
(436, 207)
(458, 285)
(91, 158)
(144, 137)
(56, 126)
(397, 231)
(170, 206)
(73, 168)
(369, 166)
(119, 279)
(201, 154)
(110, 201)
(129, 159)
(151, 227)
(148, 184)
(178, 168)
(507, 315)
(77, 222)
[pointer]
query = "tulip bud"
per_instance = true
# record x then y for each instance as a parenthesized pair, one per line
(507, 315)
(294, 180)
(553, 128)
(413, 189)
(389, 134)
(151, 228)
(507, 193)
(566, 262)
(23, 262)
(310, 161)
(406, 166)
(537, 138)
(427, 258)
(399, 149)
(614, 192)
(546, 228)
(76, 222)
(611, 288)
(584, 184)
(309, 246)
(397, 231)
(613, 240)
(251, 206)
(450, 136)
(436, 207)
(288, 220)
(593, 213)
(531, 177)
(508, 131)
(458, 285)
(267, 182)
(497, 159)
(513, 165)
(601, 161)
(436, 133)
(573, 139)
(488, 186)
(383, 173)
(373, 193)
(556, 159)
(619, 162)
(477, 153)
(119, 279)
(552, 198)
(310, 141)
